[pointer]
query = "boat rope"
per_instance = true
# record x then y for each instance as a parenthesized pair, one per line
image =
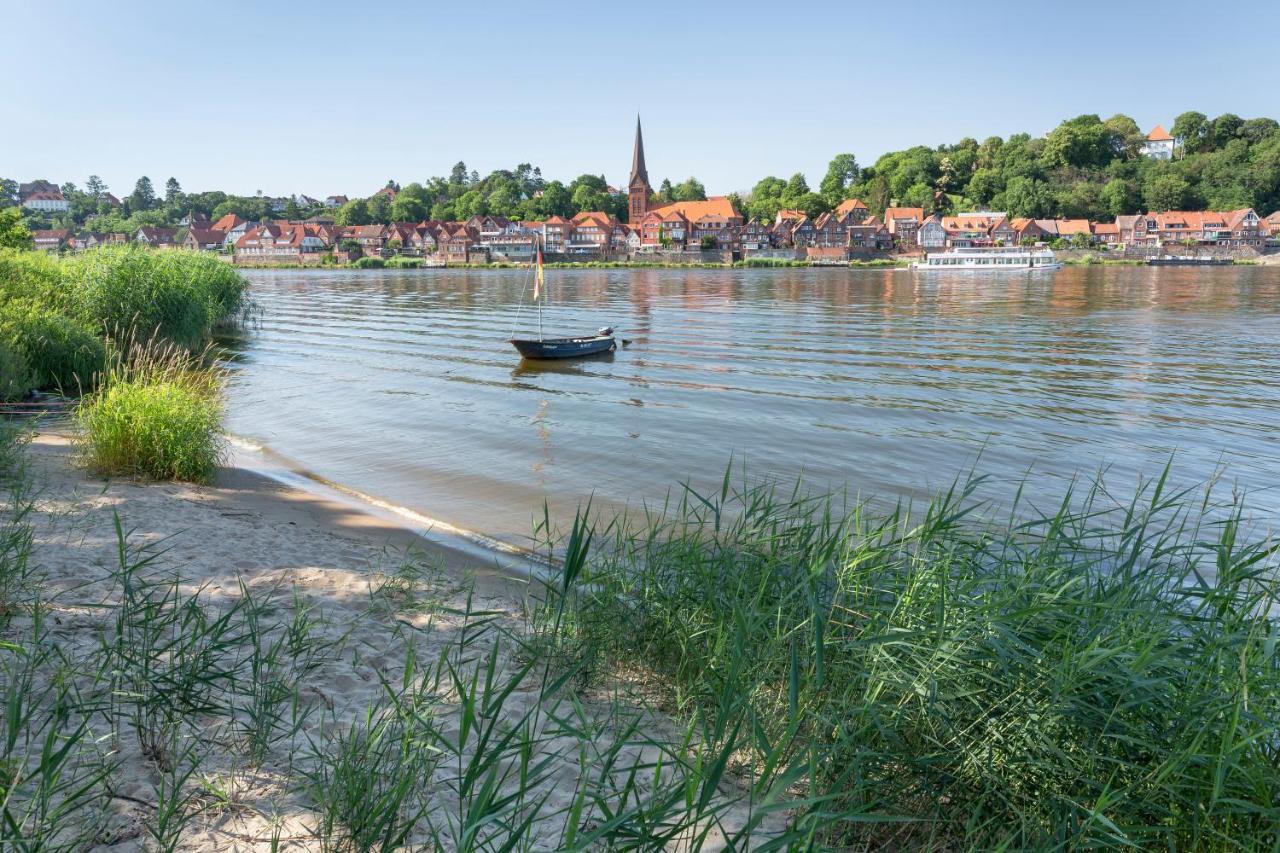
(528, 276)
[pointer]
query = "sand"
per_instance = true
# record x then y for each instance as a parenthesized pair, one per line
(305, 552)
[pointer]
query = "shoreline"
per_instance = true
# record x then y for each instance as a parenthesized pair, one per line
(349, 620)
(250, 482)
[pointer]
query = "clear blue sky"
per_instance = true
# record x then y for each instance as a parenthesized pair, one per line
(324, 98)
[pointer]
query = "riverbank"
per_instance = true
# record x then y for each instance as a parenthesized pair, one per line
(767, 263)
(242, 665)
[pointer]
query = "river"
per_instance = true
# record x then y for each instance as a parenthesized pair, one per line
(401, 384)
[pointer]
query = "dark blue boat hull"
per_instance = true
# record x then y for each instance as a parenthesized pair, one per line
(565, 347)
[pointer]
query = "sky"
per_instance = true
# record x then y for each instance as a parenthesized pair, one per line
(336, 98)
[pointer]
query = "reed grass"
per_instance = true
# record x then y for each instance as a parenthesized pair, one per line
(62, 354)
(1100, 675)
(16, 377)
(157, 414)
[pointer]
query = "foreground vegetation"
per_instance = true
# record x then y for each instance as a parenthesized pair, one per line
(832, 677)
(127, 328)
(1100, 676)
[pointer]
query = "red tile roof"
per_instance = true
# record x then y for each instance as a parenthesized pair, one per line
(1159, 134)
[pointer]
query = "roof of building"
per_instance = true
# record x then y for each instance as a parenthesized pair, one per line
(1067, 227)
(916, 213)
(715, 206)
(204, 236)
(848, 206)
(1159, 134)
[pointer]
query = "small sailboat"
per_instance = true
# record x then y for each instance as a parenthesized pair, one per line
(575, 347)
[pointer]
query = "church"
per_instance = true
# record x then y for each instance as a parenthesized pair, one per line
(682, 223)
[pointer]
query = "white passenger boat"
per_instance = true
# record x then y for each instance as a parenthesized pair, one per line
(995, 258)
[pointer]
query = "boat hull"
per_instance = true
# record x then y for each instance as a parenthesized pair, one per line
(564, 347)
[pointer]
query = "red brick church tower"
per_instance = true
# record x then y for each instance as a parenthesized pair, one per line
(638, 189)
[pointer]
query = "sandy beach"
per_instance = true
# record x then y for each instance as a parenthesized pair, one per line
(370, 595)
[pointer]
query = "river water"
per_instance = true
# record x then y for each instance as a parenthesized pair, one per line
(401, 385)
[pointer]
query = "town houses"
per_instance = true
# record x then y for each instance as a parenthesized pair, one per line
(658, 228)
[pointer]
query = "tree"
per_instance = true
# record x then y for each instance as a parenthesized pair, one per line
(1166, 192)
(143, 196)
(841, 172)
(354, 212)
(95, 187)
(8, 192)
(813, 204)
(665, 192)
(458, 174)
(1024, 197)
(1120, 197)
(1126, 136)
(14, 233)
(983, 186)
(555, 200)
(1193, 129)
(797, 188)
(379, 209)
(410, 204)
(172, 191)
(707, 243)
(690, 190)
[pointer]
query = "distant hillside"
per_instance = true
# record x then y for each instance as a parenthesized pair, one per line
(1089, 168)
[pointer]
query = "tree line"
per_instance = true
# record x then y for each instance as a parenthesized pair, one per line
(1086, 167)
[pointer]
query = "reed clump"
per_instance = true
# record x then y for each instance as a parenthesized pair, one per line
(1098, 676)
(60, 314)
(63, 355)
(157, 414)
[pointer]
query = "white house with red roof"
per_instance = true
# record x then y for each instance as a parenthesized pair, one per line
(46, 200)
(1159, 144)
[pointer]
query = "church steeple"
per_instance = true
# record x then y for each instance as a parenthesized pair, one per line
(637, 157)
(638, 188)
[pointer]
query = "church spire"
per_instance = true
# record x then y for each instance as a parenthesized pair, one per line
(637, 157)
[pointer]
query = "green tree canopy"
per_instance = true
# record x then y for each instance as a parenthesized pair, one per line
(14, 233)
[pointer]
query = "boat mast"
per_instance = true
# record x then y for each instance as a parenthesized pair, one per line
(537, 287)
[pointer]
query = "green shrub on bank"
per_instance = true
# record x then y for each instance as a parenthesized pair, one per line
(15, 375)
(158, 417)
(35, 276)
(61, 353)
(136, 294)
(1101, 677)
(368, 263)
(402, 263)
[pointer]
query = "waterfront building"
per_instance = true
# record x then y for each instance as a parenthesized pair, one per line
(903, 223)
(931, 234)
(204, 239)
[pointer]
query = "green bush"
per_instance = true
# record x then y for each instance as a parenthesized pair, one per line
(161, 420)
(137, 295)
(402, 263)
(31, 276)
(61, 353)
(1104, 676)
(368, 263)
(15, 374)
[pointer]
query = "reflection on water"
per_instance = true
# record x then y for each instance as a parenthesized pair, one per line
(402, 383)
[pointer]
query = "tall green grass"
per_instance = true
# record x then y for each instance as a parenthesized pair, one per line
(16, 376)
(157, 414)
(63, 354)
(1097, 676)
(129, 292)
